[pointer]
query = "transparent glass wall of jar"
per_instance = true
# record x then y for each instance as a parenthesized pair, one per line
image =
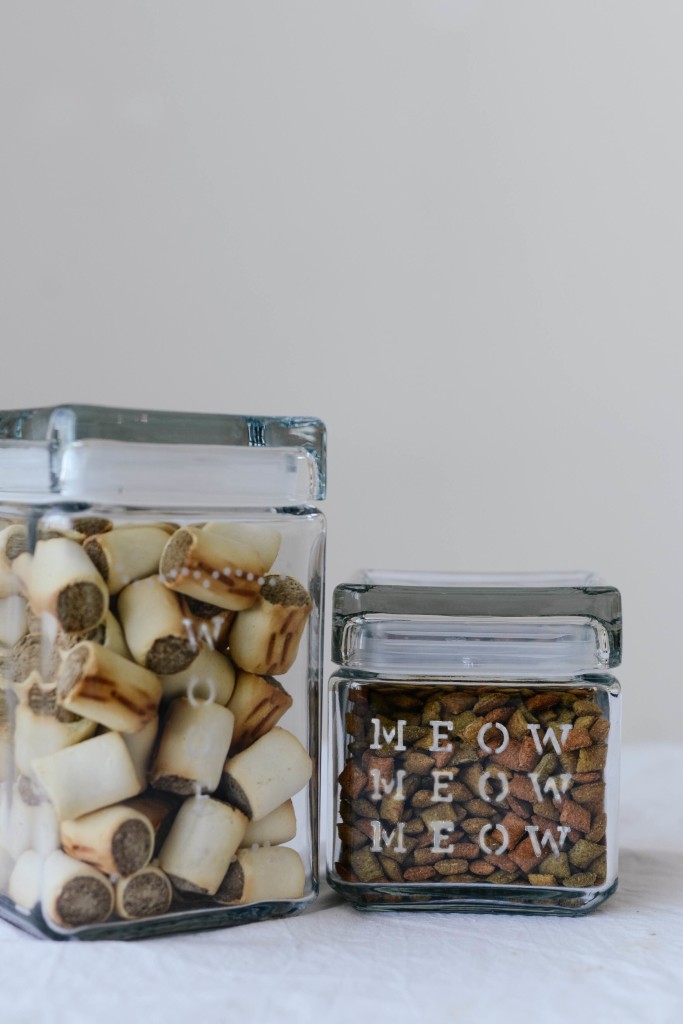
(475, 742)
(160, 644)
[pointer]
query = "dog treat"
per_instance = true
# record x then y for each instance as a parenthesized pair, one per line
(263, 539)
(159, 809)
(74, 893)
(41, 728)
(154, 627)
(25, 880)
(263, 776)
(210, 567)
(147, 893)
(454, 784)
(210, 677)
(257, 703)
(12, 580)
(87, 526)
(140, 746)
(264, 639)
(88, 776)
(118, 840)
(203, 838)
(277, 827)
(268, 873)
(64, 582)
(193, 748)
(124, 555)
(106, 688)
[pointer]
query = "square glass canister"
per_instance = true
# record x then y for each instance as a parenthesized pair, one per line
(161, 582)
(475, 742)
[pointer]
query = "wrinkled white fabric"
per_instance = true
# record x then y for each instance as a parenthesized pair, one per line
(622, 963)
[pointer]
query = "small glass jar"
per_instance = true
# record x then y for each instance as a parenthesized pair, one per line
(475, 742)
(161, 580)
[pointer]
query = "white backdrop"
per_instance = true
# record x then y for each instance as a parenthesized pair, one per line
(450, 228)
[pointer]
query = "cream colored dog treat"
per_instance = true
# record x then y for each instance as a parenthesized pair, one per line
(147, 893)
(108, 634)
(257, 703)
(64, 582)
(277, 827)
(265, 540)
(157, 634)
(213, 568)
(265, 638)
(74, 893)
(12, 582)
(106, 688)
(18, 580)
(140, 746)
(13, 542)
(203, 838)
(25, 881)
(118, 840)
(124, 555)
(154, 627)
(87, 526)
(268, 873)
(266, 774)
(91, 775)
(193, 747)
(40, 733)
(211, 677)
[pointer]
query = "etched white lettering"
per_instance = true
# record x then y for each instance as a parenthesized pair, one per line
(441, 780)
(481, 737)
(387, 735)
(547, 839)
(551, 785)
(485, 846)
(437, 736)
(382, 787)
(549, 737)
(504, 786)
(441, 830)
(380, 835)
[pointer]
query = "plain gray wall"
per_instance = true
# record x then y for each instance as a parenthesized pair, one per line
(450, 228)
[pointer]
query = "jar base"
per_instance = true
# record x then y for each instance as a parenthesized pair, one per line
(35, 924)
(475, 900)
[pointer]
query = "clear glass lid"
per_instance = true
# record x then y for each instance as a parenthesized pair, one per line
(87, 453)
(474, 624)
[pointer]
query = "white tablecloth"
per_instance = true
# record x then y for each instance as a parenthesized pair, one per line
(622, 963)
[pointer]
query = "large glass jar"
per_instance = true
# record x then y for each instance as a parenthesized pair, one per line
(475, 742)
(161, 581)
